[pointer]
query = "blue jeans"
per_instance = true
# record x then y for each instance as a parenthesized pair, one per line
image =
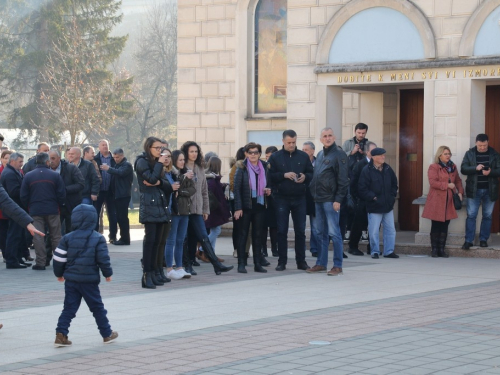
(327, 228)
(313, 242)
(175, 240)
(387, 220)
(197, 232)
(214, 233)
(73, 298)
(297, 206)
(482, 196)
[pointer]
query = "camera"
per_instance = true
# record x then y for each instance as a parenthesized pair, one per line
(362, 145)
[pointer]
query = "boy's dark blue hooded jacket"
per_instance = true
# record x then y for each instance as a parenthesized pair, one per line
(81, 253)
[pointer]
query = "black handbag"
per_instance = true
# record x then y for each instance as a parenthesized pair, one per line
(456, 198)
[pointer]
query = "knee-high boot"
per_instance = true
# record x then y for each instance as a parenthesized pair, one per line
(210, 253)
(442, 244)
(435, 245)
(186, 259)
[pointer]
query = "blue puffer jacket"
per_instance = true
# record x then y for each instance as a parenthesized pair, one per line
(81, 253)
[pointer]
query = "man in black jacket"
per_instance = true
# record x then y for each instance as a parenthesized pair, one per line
(378, 187)
(43, 192)
(329, 188)
(74, 182)
(123, 175)
(92, 182)
(290, 171)
(31, 164)
(11, 180)
(360, 220)
(104, 157)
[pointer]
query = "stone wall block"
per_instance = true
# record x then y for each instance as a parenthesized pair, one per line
(230, 74)
(443, 47)
(188, 119)
(226, 27)
(189, 29)
(279, 124)
(351, 116)
(215, 135)
(347, 100)
(216, 12)
(318, 16)
(210, 28)
(209, 89)
(230, 43)
(298, 54)
(201, 13)
(314, 49)
(301, 127)
(224, 89)
(264, 124)
(230, 104)
(445, 106)
(186, 75)
(441, 88)
(298, 17)
(229, 136)
(439, 126)
(215, 105)
(231, 11)
(225, 120)
(298, 92)
(201, 105)
(185, 106)
(201, 75)
(427, 6)
(303, 35)
(226, 58)
(209, 120)
(297, 110)
(201, 44)
(301, 3)
(188, 3)
(331, 10)
(186, 14)
(301, 73)
(186, 45)
(464, 6)
(184, 135)
(215, 43)
(451, 126)
(443, 7)
(210, 59)
(201, 135)
(188, 90)
(331, 2)
(454, 25)
(188, 60)
(437, 26)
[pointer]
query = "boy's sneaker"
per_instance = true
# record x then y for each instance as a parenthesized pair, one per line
(174, 275)
(61, 341)
(183, 273)
(347, 236)
(110, 339)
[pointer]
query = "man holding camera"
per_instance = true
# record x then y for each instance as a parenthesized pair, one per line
(290, 171)
(481, 165)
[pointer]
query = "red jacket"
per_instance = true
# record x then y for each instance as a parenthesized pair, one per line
(439, 205)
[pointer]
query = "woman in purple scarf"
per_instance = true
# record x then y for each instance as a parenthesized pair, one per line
(250, 203)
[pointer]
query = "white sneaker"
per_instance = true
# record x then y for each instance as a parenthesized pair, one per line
(183, 273)
(174, 275)
(235, 255)
(347, 236)
(364, 236)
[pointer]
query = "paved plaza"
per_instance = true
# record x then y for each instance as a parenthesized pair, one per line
(413, 315)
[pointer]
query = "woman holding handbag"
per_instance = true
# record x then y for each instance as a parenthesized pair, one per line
(444, 181)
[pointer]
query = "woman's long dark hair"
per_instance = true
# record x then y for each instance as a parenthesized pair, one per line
(148, 143)
(175, 157)
(185, 149)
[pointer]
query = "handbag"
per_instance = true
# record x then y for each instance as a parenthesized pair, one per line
(456, 198)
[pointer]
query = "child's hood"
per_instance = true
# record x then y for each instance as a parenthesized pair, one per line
(84, 217)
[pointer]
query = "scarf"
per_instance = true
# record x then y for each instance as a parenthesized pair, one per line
(257, 191)
(450, 166)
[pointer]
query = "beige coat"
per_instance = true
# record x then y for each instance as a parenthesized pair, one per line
(199, 200)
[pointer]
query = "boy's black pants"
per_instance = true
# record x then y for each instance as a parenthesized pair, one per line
(73, 297)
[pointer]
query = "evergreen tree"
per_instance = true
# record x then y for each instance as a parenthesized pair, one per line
(59, 79)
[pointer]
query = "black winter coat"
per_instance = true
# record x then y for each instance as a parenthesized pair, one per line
(382, 185)
(331, 176)
(81, 253)
(221, 214)
(74, 183)
(92, 182)
(43, 191)
(282, 162)
(29, 165)
(154, 200)
(123, 175)
(12, 210)
(468, 168)
(11, 181)
(242, 193)
(356, 173)
(181, 201)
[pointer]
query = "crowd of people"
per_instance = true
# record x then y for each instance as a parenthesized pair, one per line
(348, 193)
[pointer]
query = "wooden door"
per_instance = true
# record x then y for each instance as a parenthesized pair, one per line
(492, 127)
(411, 131)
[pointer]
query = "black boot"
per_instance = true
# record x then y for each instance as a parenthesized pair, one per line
(442, 244)
(434, 245)
(155, 278)
(258, 259)
(241, 267)
(210, 253)
(188, 267)
(164, 278)
(147, 282)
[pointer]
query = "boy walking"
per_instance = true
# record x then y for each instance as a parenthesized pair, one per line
(77, 261)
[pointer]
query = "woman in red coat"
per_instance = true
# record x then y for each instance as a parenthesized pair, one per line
(443, 180)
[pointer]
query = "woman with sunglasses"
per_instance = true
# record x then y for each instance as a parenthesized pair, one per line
(154, 205)
(439, 207)
(250, 204)
(181, 203)
(199, 212)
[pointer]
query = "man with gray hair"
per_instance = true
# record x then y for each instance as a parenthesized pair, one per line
(329, 188)
(44, 193)
(123, 176)
(309, 148)
(92, 182)
(31, 164)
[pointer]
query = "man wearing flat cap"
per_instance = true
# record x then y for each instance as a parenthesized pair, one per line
(378, 187)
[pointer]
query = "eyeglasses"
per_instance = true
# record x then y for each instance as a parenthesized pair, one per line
(253, 152)
(447, 154)
(168, 157)
(158, 148)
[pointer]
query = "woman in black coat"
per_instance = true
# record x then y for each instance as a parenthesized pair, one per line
(250, 204)
(154, 211)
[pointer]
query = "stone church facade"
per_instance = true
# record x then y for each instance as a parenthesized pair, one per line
(420, 73)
